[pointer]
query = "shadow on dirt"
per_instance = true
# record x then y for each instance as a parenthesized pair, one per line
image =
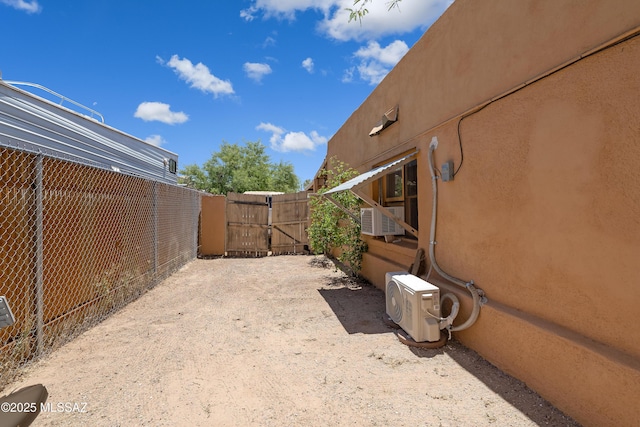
(360, 307)
(357, 304)
(512, 390)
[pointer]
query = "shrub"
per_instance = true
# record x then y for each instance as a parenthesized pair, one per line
(333, 231)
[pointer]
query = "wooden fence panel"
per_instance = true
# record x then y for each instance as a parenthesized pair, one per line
(290, 220)
(247, 225)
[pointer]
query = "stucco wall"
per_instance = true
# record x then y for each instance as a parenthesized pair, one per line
(213, 224)
(544, 213)
(476, 51)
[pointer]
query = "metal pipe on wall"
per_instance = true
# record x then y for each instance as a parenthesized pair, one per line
(476, 294)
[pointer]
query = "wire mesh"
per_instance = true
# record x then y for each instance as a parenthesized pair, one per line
(77, 243)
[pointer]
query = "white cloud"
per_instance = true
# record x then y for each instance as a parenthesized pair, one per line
(29, 6)
(256, 71)
(389, 55)
(248, 14)
(274, 130)
(335, 21)
(347, 76)
(308, 65)
(198, 76)
(300, 141)
(269, 41)
(283, 9)
(408, 16)
(156, 140)
(284, 141)
(158, 111)
(372, 72)
(377, 61)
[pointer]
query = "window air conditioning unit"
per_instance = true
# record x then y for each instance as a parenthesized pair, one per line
(375, 223)
(414, 305)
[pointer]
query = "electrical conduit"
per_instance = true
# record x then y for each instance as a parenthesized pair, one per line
(476, 294)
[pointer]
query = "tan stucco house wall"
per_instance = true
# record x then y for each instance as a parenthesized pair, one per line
(537, 103)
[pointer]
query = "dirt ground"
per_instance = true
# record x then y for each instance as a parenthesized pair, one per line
(277, 341)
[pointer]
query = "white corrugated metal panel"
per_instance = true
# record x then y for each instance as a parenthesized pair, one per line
(371, 175)
(36, 124)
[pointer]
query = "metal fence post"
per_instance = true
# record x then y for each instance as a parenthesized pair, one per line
(155, 229)
(39, 294)
(196, 206)
(99, 224)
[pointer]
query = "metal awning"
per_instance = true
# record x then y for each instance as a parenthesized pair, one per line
(355, 186)
(372, 175)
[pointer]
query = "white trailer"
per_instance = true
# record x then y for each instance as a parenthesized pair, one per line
(32, 123)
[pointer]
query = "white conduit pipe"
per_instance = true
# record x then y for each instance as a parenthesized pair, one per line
(476, 294)
(447, 322)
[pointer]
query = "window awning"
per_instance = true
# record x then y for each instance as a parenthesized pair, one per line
(373, 174)
(355, 186)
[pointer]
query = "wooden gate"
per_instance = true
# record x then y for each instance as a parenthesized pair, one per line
(247, 225)
(290, 219)
(260, 224)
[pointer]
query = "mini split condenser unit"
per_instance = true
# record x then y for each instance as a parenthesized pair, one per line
(375, 223)
(414, 305)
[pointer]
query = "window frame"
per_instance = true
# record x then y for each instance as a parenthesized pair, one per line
(387, 184)
(361, 183)
(406, 199)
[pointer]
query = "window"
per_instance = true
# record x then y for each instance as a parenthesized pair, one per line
(393, 186)
(400, 187)
(173, 166)
(411, 194)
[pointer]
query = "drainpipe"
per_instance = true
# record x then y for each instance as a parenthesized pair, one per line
(477, 294)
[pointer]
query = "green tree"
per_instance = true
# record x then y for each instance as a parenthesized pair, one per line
(332, 229)
(236, 168)
(194, 177)
(283, 178)
(360, 11)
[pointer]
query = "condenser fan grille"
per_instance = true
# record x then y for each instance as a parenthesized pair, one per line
(394, 295)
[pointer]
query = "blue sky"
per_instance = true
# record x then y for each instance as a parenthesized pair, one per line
(190, 74)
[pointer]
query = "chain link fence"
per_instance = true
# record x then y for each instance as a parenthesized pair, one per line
(77, 243)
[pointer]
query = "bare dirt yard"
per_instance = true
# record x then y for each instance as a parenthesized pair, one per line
(277, 341)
